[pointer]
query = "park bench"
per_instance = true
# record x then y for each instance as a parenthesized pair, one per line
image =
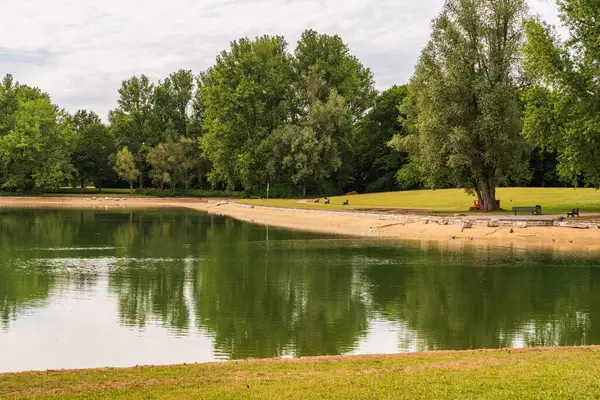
(346, 203)
(532, 210)
(573, 213)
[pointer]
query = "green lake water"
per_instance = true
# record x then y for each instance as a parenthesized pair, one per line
(90, 288)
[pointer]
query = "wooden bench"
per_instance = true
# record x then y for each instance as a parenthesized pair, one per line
(533, 210)
(573, 213)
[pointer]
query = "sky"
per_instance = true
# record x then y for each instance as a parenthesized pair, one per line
(80, 51)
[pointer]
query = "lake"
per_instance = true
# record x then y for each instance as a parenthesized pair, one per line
(92, 288)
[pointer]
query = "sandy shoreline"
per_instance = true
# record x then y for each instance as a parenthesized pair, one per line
(559, 239)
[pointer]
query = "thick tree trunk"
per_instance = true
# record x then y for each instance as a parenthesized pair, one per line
(141, 180)
(162, 186)
(487, 192)
(131, 188)
(304, 189)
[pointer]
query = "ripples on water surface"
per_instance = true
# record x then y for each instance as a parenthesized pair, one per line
(117, 288)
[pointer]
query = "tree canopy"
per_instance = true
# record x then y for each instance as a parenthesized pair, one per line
(36, 139)
(563, 102)
(247, 94)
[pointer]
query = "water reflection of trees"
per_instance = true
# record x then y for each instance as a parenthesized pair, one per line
(25, 281)
(463, 300)
(267, 300)
(260, 298)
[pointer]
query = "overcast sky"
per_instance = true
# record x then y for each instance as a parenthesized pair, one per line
(79, 51)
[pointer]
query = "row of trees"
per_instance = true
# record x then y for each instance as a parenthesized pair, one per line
(496, 99)
(259, 115)
(493, 83)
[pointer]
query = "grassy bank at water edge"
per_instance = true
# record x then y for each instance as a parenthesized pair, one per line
(531, 373)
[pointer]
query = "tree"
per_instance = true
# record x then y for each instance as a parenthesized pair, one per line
(125, 167)
(131, 121)
(94, 144)
(246, 95)
(340, 70)
(311, 147)
(376, 164)
(161, 165)
(36, 140)
(9, 103)
(563, 101)
(463, 108)
(172, 104)
(174, 162)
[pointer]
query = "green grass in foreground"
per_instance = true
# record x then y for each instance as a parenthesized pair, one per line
(548, 373)
(552, 200)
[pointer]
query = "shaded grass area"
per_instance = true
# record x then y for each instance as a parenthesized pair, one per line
(552, 200)
(535, 373)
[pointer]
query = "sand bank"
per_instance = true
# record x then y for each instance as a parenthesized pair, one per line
(348, 223)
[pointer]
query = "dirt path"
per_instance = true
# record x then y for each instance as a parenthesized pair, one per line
(558, 239)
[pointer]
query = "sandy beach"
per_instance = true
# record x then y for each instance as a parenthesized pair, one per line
(347, 223)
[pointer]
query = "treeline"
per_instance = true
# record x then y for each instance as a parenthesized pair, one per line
(496, 99)
(302, 121)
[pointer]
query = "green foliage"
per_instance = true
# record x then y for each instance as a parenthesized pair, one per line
(278, 190)
(173, 162)
(36, 140)
(311, 147)
(94, 145)
(377, 164)
(463, 108)
(162, 163)
(246, 96)
(125, 167)
(131, 120)
(170, 103)
(562, 103)
(341, 71)
(190, 193)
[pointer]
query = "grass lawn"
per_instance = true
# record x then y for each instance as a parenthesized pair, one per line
(552, 200)
(529, 374)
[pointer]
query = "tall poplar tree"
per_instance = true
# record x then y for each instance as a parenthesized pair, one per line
(463, 107)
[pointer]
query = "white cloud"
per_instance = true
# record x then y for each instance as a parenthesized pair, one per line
(86, 48)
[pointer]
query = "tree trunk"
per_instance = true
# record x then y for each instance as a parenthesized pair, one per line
(487, 187)
(304, 189)
(162, 186)
(141, 181)
(479, 195)
(131, 188)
